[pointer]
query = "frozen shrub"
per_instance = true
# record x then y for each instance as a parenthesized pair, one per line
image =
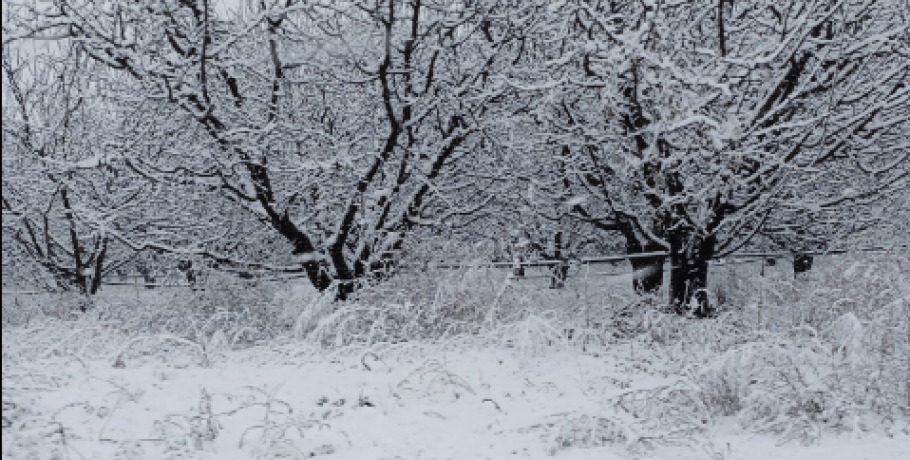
(830, 353)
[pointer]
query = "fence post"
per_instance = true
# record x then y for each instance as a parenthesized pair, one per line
(801, 263)
(518, 270)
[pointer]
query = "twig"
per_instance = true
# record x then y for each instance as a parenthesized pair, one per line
(494, 404)
(363, 359)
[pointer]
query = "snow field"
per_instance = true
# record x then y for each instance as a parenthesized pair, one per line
(818, 370)
(490, 403)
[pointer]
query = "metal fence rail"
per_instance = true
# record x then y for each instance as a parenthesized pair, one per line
(622, 257)
(744, 257)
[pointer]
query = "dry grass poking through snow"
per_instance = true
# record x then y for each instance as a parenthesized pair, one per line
(796, 360)
(830, 353)
(825, 354)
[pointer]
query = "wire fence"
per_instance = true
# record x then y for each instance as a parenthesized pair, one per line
(179, 279)
(744, 257)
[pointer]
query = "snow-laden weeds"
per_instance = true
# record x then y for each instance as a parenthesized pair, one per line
(800, 383)
(795, 359)
(824, 355)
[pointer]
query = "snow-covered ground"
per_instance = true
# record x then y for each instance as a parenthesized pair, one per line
(777, 380)
(414, 402)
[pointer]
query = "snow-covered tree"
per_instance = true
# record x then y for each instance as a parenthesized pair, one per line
(59, 197)
(340, 125)
(687, 126)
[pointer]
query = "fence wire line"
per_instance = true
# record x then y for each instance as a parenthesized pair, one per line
(756, 256)
(621, 257)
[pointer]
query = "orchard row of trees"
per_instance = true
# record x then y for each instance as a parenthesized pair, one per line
(319, 136)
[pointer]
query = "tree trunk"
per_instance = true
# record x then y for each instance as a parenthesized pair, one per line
(345, 289)
(561, 269)
(689, 256)
(648, 273)
(99, 268)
